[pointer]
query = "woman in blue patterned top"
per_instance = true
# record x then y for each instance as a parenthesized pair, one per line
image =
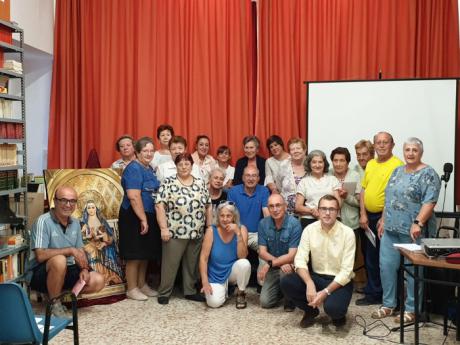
(223, 257)
(139, 234)
(410, 197)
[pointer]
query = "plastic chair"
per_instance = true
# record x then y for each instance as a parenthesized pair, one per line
(19, 324)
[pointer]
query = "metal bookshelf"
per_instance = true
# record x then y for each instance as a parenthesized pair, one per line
(14, 200)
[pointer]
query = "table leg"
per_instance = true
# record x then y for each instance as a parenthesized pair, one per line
(401, 299)
(416, 304)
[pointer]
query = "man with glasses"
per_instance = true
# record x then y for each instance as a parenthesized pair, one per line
(372, 200)
(57, 260)
(330, 246)
(279, 236)
(250, 199)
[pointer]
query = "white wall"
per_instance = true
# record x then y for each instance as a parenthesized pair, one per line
(36, 18)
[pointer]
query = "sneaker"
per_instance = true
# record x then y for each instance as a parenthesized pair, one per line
(58, 310)
(241, 300)
(163, 300)
(196, 297)
(148, 291)
(136, 295)
(308, 318)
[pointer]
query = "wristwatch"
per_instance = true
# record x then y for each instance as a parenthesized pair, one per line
(270, 263)
(419, 223)
(326, 290)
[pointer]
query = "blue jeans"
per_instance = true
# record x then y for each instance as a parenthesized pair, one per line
(389, 266)
(373, 289)
(335, 305)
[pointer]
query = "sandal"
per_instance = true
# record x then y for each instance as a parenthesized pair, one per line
(382, 312)
(408, 317)
(241, 300)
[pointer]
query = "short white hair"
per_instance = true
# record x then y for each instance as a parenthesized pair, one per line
(414, 141)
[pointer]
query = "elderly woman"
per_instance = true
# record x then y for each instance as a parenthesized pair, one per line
(291, 172)
(183, 212)
(216, 187)
(275, 146)
(410, 197)
(350, 186)
(125, 146)
(313, 186)
(139, 234)
(223, 258)
(201, 157)
(251, 147)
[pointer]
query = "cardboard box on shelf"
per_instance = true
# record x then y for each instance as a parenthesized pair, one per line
(35, 207)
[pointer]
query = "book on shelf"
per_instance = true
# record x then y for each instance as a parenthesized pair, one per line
(13, 65)
(11, 130)
(8, 154)
(6, 109)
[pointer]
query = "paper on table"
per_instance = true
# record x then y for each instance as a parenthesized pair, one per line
(370, 235)
(413, 247)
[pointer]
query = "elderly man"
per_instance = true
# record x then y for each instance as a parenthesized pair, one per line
(279, 236)
(372, 201)
(364, 153)
(57, 259)
(331, 247)
(251, 200)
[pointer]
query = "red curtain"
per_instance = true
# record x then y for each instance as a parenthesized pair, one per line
(339, 40)
(128, 66)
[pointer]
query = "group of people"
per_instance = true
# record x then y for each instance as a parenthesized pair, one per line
(299, 218)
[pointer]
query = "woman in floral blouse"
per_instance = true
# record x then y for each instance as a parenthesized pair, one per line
(183, 212)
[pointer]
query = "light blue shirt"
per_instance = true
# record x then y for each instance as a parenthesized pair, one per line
(404, 196)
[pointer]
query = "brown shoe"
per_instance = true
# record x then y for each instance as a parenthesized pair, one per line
(309, 318)
(241, 300)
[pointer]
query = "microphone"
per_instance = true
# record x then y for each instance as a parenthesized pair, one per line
(448, 168)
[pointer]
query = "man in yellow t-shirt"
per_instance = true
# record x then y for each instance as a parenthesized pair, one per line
(376, 176)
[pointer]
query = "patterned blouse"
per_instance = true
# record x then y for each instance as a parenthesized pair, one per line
(185, 207)
(404, 196)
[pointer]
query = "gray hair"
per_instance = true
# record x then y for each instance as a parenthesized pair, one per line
(414, 141)
(252, 138)
(215, 170)
(310, 156)
(230, 206)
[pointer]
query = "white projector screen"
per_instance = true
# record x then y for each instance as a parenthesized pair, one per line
(342, 113)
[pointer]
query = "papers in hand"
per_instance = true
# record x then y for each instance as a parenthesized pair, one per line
(370, 236)
(79, 285)
(412, 247)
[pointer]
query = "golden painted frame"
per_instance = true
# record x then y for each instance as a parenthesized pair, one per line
(103, 186)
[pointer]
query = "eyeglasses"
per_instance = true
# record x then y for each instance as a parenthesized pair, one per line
(64, 201)
(327, 209)
(382, 143)
(226, 202)
(273, 206)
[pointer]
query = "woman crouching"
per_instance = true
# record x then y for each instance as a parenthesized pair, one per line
(223, 258)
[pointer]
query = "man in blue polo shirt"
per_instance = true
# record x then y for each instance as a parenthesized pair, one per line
(57, 260)
(279, 237)
(251, 200)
